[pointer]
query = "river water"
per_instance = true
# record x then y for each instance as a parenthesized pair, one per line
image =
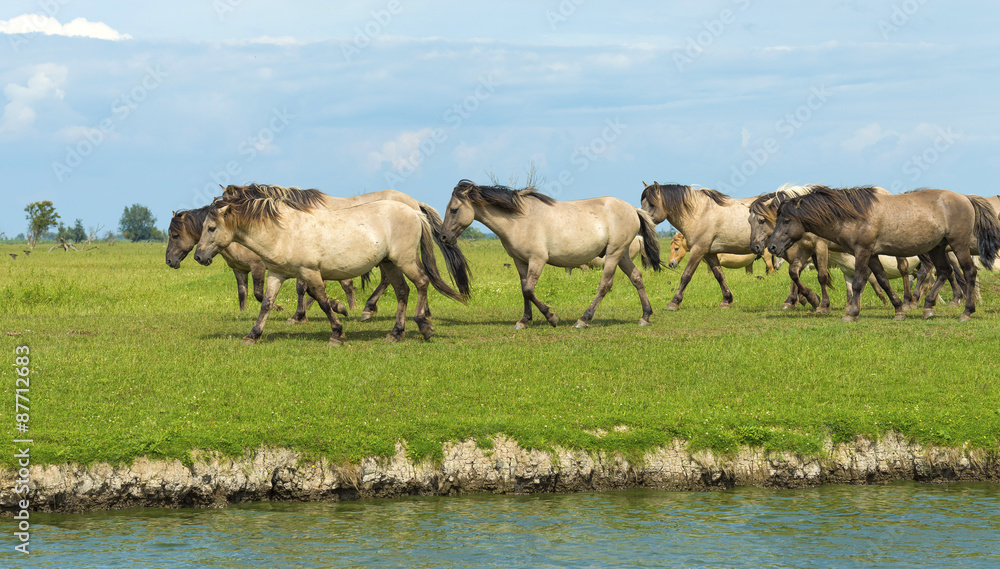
(901, 525)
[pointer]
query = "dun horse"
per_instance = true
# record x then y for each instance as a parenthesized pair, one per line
(184, 233)
(455, 260)
(536, 230)
(866, 224)
(679, 249)
(296, 236)
(712, 223)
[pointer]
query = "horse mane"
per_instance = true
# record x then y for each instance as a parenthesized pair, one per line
(767, 205)
(823, 205)
(259, 203)
(189, 221)
(678, 197)
(502, 197)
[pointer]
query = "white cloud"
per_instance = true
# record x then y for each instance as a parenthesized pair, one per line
(403, 151)
(19, 113)
(867, 136)
(80, 27)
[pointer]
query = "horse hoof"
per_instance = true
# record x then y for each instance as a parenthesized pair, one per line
(520, 326)
(553, 320)
(427, 332)
(964, 317)
(393, 338)
(643, 322)
(335, 343)
(580, 324)
(786, 306)
(248, 341)
(366, 316)
(672, 307)
(900, 316)
(294, 320)
(823, 311)
(340, 308)
(928, 313)
(277, 307)
(726, 305)
(849, 318)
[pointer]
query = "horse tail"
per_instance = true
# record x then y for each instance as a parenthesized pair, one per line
(366, 279)
(987, 229)
(430, 265)
(458, 267)
(650, 241)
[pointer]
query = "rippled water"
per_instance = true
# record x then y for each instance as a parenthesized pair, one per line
(904, 525)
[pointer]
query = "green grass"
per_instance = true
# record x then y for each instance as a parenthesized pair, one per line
(131, 358)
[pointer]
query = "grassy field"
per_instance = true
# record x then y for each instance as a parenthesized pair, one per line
(129, 357)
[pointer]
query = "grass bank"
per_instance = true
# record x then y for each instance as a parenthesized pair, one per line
(131, 358)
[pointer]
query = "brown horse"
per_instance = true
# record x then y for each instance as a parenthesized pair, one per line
(183, 235)
(712, 223)
(536, 230)
(455, 260)
(866, 224)
(763, 212)
(296, 236)
(679, 249)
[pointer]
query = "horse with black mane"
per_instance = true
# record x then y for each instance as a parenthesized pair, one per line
(536, 230)
(867, 224)
(296, 236)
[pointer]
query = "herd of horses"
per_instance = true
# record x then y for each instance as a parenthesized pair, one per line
(272, 233)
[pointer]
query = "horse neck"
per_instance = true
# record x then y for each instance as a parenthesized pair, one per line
(500, 221)
(262, 240)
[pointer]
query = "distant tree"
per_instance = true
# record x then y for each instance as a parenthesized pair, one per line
(41, 216)
(137, 223)
(473, 233)
(78, 234)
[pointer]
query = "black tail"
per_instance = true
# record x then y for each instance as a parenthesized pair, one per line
(430, 265)
(366, 279)
(987, 231)
(458, 268)
(650, 241)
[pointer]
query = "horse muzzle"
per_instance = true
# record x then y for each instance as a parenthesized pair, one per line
(203, 259)
(672, 264)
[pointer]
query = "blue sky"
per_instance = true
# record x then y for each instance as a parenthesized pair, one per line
(105, 104)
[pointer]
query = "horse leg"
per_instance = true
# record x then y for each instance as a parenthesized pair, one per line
(939, 259)
(793, 290)
(769, 263)
(371, 305)
(970, 273)
(801, 256)
(316, 288)
(883, 281)
(697, 253)
(258, 274)
(532, 270)
(415, 272)
(241, 287)
(821, 259)
(270, 293)
(712, 260)
(395, 279)
(302, 305)
(861, 273)
(635, 276)
(348, 286)
(903, 266)
(607, 281)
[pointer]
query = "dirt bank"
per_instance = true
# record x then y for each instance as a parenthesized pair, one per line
(282, 475)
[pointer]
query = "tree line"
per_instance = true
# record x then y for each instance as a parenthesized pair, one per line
(137, 223)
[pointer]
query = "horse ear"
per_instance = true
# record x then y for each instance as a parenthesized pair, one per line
(644, 184)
